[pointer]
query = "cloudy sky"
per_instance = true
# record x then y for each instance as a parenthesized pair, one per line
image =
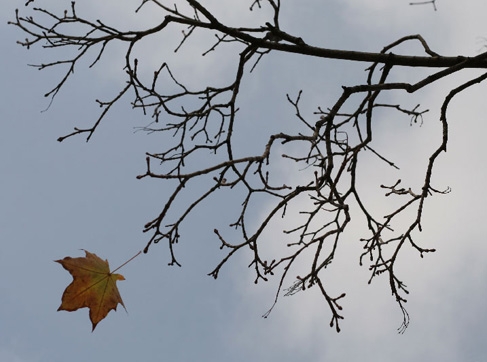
(58, 198)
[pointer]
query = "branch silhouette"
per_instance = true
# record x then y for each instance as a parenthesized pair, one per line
(202, 122)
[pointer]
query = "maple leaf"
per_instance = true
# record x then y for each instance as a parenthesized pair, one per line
(93, 286)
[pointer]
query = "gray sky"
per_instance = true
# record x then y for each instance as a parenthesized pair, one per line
(59, 198)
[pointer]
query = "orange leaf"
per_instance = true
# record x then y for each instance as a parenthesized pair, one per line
(93, 286)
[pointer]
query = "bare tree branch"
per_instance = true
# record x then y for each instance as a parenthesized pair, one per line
(202, 122)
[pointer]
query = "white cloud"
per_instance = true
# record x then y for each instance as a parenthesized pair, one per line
(452, 224)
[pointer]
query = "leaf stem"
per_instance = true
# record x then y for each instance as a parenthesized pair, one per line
(128, 261)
